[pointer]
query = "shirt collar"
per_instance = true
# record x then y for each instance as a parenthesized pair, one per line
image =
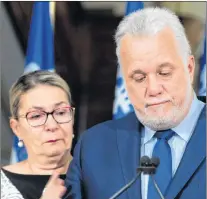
(147, 134)
(185, 128)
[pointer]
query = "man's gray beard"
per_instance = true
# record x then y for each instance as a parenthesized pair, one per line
(160, 123)
(171, 119)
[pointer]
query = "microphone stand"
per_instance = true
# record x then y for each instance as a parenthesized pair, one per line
(126, 186)
(150, 170)
(157, 188)
(147, 167)
(144, 169)
(155, 162)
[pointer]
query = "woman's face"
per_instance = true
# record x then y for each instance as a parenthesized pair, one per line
(45, 135)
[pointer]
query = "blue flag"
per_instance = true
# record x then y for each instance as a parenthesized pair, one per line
(122, 105)
(40, 49)
(39, 56)
(202, 88)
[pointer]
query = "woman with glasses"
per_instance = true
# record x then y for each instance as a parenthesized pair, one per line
(42, 118)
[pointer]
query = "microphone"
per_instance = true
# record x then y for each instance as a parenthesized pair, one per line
(146, 165)
(144, 161)
(155, 162)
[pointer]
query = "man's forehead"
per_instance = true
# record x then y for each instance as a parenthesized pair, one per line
(150, 47)
(165, 33)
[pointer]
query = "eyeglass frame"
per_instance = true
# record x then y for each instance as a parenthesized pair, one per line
(47, 114)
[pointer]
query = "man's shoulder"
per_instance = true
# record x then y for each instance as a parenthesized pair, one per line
(111, 126)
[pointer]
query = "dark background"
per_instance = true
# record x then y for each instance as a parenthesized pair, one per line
(84, 56)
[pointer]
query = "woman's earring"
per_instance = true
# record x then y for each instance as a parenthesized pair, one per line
(73, 135)
(20, 143)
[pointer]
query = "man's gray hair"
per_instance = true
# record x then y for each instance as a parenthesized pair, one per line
(150, 21)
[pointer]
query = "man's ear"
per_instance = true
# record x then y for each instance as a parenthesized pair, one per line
(191, 67)
(14, 124)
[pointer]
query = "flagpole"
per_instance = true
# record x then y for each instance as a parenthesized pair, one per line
(52, 13)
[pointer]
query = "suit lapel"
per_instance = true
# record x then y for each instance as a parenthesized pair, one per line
(128, 142)
(195, 153)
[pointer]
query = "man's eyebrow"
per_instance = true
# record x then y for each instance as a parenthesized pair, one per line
(165, 64)
(137, 71)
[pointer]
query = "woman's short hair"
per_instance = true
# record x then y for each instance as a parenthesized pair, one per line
(29, 81)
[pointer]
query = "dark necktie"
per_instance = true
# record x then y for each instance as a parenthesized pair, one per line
(163, 174)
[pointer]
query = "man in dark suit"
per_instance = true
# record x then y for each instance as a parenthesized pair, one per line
(169, 121)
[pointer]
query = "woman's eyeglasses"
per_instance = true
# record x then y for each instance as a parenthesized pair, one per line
(38, 118)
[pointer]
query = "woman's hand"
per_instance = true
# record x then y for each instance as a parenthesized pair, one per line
(55, 188)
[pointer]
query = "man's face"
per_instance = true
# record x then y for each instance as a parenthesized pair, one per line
(157, 81)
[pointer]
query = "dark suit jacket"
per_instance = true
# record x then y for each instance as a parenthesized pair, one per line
(107, 155)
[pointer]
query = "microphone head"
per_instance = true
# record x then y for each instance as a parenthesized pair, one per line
(145, 160)
(155, 161)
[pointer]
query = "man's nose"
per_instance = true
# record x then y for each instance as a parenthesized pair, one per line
(154, 88)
